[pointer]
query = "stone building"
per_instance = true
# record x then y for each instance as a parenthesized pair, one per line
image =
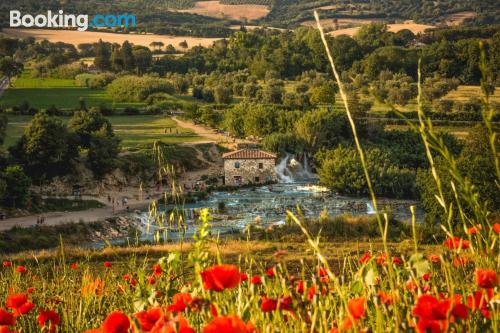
(247, 166)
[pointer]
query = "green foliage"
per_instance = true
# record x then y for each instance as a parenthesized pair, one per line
(15, 186)
(136, 89)
(341, 171)
(46, 148)
(85, 123)
(322, 128)
(282, 143)
(324, 94)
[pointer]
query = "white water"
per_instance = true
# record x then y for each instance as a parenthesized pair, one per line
(284, 174)
(369, 208)
(290, 170)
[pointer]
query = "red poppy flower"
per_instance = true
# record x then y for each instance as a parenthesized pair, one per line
(460, 261)
(434, 258)
(479, 302)
(426, 276)
(180, 302)
(177, 324)
(397, 261)
(270, 272)
(455, 243)
(48, 316)
(7, 318)
(21, 269)
(20, 304)
(381, 259)
(256, 279)
(322, 272)
(157, 270)
(356, 307)
(300, 286)
(29, 290)
(107, 264)
(147, 319)
(433, 314)
(116, 322)
(472, 231)
(365, 257)
(74, 266)
(268, 304)
(496, 228)
(486, 278)
(6, 329)
(311, 292)
(151, 280)
(218, 278)
(7, 264)
(243, 277)
(227, 324)
(385, 298)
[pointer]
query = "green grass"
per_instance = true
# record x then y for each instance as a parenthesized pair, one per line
(64, 94)
(133, 130)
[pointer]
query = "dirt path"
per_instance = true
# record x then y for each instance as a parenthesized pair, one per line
(210, 134)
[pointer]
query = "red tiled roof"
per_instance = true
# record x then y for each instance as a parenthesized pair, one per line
(248, 154)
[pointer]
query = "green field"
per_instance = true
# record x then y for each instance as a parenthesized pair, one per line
(133, 130)
(64, 94)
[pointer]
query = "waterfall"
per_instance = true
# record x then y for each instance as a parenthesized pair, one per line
(369, 208)
(284, 174)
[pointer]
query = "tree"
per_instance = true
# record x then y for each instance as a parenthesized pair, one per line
(322, 128)
(143, 59)
(371, 36)
(273, 92)
(222, 95)
(127, 56)
(157, 45)
(116, 60)
(103, 152)
(46, 148)
(324, 94)
(102, 56)
(16, 186)
(85, 123)
(3, 127)
(10, 68)
(184, 44)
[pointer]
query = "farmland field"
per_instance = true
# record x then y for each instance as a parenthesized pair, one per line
(133, 130)
(45, 92)
(237, 12)
(413, 27)
(464, 93)
(78, 37)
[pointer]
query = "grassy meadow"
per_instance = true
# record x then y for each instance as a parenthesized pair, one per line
(133, 130)
(64, 94)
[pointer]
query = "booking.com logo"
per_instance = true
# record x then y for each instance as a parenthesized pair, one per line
(62, 20)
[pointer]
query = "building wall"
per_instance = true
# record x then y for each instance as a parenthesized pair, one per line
(249, 170)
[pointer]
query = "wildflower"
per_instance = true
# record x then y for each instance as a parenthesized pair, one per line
(29, 290)
(411, 285)
(7, 264)
(21, 269)
(151, 280)
(74, 266)
(107, 264)
(456, 243)
(48, 316)
(218, 278)
(472, 231)
(496, 228)
(434, 258)
(256, 279)
(322, 272)
(116, 322)
(7, 318)
(396, 261)
(157, 270)
(5, 329)
(147, 319)
(300, 287)
(426, 276)
(381, 259)
(486, 278)
(433, 314)
(365, 257)
(270, 272)
(356, 307)
(268, 304)
(244, 277)
(311, 292)
(460, 261)
(228, 324)
(479, 301)
(178, 324)
(180, 302)
(385, 298)
(20, 304)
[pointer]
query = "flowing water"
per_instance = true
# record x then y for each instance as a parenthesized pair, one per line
(232, 211)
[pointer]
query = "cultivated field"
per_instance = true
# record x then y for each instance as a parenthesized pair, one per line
(133, 130)
(458, 18)
(78, 37)
(342, 23)
(413, 27)
(236, 12)
(64, 94)
(464, 93)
